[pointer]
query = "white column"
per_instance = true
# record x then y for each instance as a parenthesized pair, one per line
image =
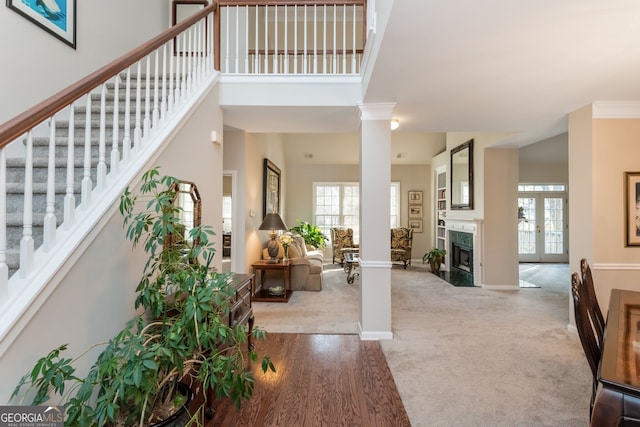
(375, 211)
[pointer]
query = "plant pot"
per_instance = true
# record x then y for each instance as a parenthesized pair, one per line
(181, 417)
(435, 267)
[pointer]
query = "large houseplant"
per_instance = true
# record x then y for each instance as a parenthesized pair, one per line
(182, 335)
(312, 234)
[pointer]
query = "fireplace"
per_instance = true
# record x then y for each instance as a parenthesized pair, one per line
(462, 262)
(462, 257)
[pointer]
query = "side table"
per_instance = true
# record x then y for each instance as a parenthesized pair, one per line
(260, 294)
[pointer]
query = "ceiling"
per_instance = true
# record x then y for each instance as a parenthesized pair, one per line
(491, 65)
(504, 65)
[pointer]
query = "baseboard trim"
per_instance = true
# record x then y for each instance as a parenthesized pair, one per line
(501, 287)
(373, 335)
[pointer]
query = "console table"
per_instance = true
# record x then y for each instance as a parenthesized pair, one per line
(260, 294)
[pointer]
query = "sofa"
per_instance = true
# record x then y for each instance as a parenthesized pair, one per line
(305, 264)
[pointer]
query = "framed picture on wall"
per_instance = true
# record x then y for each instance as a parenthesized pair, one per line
(271, 193)
(632, 208)
(415, 211)
(415, 197)
(415, 225)
(57, 17)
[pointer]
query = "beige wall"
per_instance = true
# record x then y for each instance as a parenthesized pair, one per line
(600, 151)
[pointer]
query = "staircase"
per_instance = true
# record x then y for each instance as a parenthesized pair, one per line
(41, 148)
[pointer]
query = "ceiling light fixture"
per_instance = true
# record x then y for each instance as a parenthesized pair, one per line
(395, 124)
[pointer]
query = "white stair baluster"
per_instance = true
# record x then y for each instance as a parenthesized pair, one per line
(126, 141)
(266, 39)
(137, 131)
(87, 184)
(164, 101)
(189, 60)
(275, 40)
(324, 40)
(156, 102)
(183, 83)
(101, 168)
(171, 99)
(295, 39)
(49, 225)
(69, 197)
(227, 41)
(304, 58)
(26, 243)
(147, 100)
(115, 150)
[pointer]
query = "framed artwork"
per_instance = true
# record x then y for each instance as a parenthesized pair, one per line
(57, 17)
(632, 208)
(271, 195)
(415, 211)
(415, 197)
(181, 9)
(415, 225)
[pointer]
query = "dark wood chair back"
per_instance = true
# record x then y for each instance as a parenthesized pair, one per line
(592, 301)
(584, 324)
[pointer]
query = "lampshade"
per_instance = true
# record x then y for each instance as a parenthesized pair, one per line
(272, 222)
(395, 124)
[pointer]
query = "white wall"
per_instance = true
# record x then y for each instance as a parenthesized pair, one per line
(89, 306)
(36, 65)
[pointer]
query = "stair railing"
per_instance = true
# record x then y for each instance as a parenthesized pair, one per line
(128, 101)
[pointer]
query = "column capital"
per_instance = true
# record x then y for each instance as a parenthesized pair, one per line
(377, 111)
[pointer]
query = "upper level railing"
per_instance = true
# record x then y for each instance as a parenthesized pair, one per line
(291, 36)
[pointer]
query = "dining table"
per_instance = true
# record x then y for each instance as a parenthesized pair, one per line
(618, 399)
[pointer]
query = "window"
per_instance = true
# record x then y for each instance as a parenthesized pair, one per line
(337, 204)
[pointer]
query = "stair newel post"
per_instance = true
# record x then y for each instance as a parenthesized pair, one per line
(115, 152)
(163, 101)
(137, 131)
(4, 268)
(49, 225)
(26, 243)
(126, 141)
(147, 100)
(101, 170)
(69, 197)
(85, 197)
(156, 103)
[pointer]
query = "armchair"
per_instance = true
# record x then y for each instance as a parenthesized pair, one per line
(341, 241)
(401, 241)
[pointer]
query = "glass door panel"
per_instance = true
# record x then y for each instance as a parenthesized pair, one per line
(542, 228)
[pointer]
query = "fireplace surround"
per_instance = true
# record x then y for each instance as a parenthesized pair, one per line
(464, 251)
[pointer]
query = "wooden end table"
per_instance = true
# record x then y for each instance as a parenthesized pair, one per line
(260, 294)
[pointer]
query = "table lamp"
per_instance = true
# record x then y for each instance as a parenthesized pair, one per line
(272, 222)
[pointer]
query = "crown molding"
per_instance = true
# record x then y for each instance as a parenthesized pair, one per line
(616, 110)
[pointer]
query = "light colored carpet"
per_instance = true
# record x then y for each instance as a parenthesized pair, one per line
(463, 356)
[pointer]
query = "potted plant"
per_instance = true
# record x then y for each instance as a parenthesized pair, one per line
(435, 258)
(182, 336)
(312, 234)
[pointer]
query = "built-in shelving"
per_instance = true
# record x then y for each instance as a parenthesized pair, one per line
(441, 209)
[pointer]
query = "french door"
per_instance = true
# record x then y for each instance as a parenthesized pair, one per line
(542, 227)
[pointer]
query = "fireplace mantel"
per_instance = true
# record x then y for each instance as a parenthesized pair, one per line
(474, 227)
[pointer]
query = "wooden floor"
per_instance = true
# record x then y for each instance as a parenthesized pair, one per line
(321, 380)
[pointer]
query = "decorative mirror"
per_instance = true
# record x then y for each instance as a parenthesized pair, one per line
(462, 176)
(187, 199)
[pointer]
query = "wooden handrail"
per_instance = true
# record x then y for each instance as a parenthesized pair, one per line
(22, 123)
